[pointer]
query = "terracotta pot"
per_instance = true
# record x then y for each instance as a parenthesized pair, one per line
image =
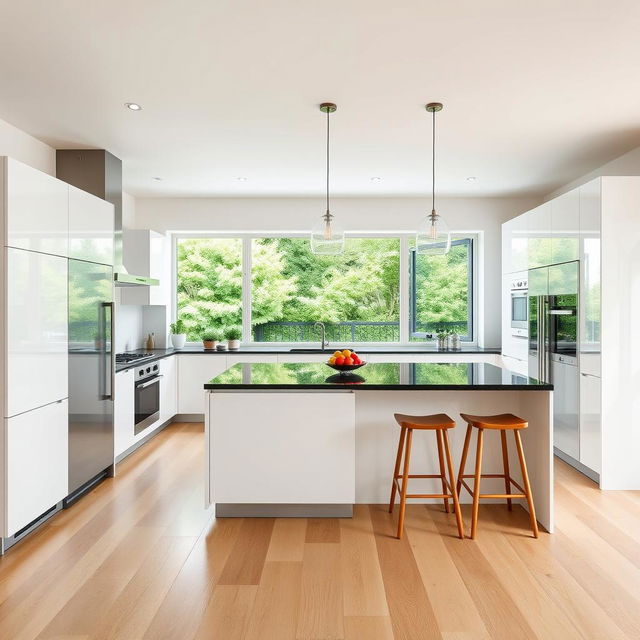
(210, 344)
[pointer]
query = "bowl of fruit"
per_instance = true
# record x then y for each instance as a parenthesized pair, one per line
(345, 361)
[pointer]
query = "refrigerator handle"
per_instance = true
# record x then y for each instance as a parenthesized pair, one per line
(108, 395)
(545, 343)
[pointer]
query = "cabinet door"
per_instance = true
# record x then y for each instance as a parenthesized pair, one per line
(91, 227)
(590, 307)
(519, 243)
(565, 227)
(168, 388)
(538, 233)
(37, 336)
(123, 411)
(193, 372)
(507, 235)
(590, 420)
(36, 463)
(37, 210)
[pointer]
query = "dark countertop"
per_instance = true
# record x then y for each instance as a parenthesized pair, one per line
(375, 376)
(394, 349)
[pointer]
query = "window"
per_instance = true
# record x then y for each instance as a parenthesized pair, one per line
(441, 291)
(276, 289)
(356, 294)
(209, 283)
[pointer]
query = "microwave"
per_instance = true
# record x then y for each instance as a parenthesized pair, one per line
(520, 307)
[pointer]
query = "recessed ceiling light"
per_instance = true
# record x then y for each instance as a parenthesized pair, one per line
(134, 106)
(242, 178)
(157, 178)
(471, 179)
(376, 179)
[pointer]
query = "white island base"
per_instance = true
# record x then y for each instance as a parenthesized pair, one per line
(314, 453)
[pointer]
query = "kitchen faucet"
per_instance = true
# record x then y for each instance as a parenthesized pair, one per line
(323, 342)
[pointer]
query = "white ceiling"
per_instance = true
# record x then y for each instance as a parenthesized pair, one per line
(535, 93)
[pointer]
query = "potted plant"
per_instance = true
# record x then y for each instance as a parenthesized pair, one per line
(178, 334)
(211, 338)
(233, 336)
(442, 340)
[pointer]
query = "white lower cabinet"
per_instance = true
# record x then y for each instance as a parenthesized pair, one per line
(590, 418)
(193, 371)
(124, 411)
(36, 459)
(168, 388)
(516, 365)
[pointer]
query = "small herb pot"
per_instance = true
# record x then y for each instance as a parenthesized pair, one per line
(233, 345)
(442, 344)
(178, 340)
(210, 344)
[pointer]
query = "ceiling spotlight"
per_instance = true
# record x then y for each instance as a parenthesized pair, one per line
(134, 106)
(471, 179)
(242, 178)
(157, 178)
(376, 179)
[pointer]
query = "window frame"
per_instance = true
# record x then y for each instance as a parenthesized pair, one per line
(470, 336)
(404, 281)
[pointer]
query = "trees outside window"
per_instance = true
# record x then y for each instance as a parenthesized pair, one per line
(356, 294)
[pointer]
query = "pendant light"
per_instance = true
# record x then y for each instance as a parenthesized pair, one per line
(433, 237)
(326, 237)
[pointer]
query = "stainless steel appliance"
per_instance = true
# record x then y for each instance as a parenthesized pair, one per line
(553, 348)
(126, 358)
(91, 370)
(519, 307)
(147, 396)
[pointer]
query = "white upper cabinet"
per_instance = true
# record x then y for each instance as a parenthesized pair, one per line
(538, 232)
(37, 337)
(91, 227)
(36, 462)
(514, 245)
(565, 227)
(37, 210)
(590, 277)
(147, 253)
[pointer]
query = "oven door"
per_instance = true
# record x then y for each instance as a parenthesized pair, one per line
(519, 311)
(147, 403)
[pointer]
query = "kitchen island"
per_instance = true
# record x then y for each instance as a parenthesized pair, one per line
(298, 439)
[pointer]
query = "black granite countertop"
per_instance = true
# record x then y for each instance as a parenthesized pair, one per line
(416, 349)
(375, 376)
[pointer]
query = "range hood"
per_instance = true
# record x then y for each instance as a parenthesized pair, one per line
(99, 172)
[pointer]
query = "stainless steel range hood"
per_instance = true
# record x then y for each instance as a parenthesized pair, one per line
(100, 173)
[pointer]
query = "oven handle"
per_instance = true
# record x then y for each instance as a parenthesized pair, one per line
(148, 383)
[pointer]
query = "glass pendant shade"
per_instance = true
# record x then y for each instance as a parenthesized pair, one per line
(433, 237)
(327, 238)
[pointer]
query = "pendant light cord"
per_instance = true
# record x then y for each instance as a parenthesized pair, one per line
(328, 161)
(433, 163)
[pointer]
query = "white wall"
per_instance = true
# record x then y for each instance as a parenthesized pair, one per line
(21, 146)
(624, 165)
(476, 215)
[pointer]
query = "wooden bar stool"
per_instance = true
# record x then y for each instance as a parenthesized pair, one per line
(438, 423)
(503, 422)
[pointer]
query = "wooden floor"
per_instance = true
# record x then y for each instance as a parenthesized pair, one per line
(140, 558)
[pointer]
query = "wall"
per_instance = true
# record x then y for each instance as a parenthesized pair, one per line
(624, 165)
(476, 215)
(21, 146)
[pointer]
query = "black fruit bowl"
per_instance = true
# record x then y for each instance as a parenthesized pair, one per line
(345, 368)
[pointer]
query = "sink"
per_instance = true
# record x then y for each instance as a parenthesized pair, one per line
(310, 350)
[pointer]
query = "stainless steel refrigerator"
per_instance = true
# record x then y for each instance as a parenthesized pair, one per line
(553, 348)
(91, 369)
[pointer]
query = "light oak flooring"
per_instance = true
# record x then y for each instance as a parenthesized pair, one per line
(140, 558)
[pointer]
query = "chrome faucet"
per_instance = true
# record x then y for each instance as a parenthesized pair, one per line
(323, 342)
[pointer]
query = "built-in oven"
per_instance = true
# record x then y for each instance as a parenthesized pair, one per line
(147, 396)
(520, 307)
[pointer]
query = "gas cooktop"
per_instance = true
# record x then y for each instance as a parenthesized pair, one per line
(124, 358)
